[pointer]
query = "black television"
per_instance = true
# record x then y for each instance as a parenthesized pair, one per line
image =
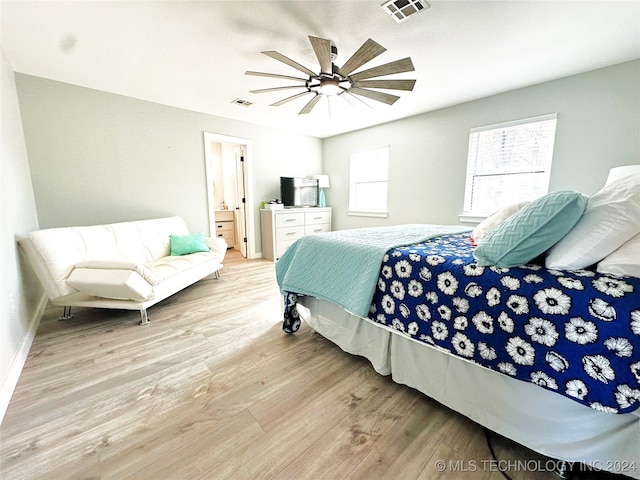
(299, 192)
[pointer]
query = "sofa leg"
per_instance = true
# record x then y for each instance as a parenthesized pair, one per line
(143, 317)
(216, 275)
(66, 313)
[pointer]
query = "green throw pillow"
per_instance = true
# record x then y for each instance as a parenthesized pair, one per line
(185, 244)
(532, 230)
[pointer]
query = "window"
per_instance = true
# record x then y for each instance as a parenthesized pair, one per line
(508, 162)
(368, 181)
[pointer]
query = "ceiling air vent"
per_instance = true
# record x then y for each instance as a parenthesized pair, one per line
(242, 103)
(400, 10)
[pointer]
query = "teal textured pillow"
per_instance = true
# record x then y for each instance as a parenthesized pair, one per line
(532, 230)
(185, 244)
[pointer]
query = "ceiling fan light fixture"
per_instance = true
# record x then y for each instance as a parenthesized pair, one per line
(329, 86)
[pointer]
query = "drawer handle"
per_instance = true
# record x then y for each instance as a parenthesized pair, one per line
(219, 226)
(290, 233)
(220, 235)
(290, 220)
(317, 218)
(317, 230)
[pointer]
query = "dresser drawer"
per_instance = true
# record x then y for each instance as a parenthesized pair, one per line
(225, 227)
(314, 218)
(324, 227)
(289, 234)
(289, 220)
(282, 247)
(224, 215)
(229, 237)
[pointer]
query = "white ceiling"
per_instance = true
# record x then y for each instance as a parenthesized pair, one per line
(193, 54)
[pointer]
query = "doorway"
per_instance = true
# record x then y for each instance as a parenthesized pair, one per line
(227, 167)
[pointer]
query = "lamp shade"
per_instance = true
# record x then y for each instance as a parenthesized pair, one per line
(616, 173)
(323, 180)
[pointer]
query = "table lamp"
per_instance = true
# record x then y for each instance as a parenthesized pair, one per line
(323, 182)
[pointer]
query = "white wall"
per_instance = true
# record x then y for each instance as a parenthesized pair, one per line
(97, 157)
(17, 218)
(598, 128)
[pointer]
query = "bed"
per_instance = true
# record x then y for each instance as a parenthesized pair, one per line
(549, 357)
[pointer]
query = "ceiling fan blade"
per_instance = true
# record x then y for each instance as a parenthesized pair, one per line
(399, 66)
(390, 84)
(354, 100)
(322, 47)
(379, 96)
(288, 61)
(274, 75)
(288, 99)
(368, 51)
(309, 106)
(275, 89)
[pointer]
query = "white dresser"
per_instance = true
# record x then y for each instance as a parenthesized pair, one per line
(280, 228)
(225, 226)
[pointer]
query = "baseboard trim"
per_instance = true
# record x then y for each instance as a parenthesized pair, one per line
(17, 364)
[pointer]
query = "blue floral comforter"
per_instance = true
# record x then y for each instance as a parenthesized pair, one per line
(576, 333)
(573, 332)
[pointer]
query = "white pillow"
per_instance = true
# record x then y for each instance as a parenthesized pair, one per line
(612, 217)
(624, 261)
(492, 221)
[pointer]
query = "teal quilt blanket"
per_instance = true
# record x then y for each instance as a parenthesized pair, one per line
(343, 266)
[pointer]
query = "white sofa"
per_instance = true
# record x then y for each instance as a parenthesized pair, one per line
(124, 265)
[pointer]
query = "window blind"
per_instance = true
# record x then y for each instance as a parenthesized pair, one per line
(508, 162)
(368, 180)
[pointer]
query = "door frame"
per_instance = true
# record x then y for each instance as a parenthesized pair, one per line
(208, 138)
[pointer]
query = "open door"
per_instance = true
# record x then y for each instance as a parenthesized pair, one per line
(228, 186)
(241, 202)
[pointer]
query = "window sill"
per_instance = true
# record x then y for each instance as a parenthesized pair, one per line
(474, 218)
(368, 213)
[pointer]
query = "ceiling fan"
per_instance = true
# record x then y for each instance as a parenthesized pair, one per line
(340, 81)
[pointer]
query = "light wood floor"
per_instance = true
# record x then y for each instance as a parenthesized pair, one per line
(213, 389)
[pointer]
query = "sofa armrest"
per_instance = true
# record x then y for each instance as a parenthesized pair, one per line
(217, 244)
(218, 247)
(121, 284)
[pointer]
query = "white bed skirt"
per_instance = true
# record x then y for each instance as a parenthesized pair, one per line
(543, 421)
